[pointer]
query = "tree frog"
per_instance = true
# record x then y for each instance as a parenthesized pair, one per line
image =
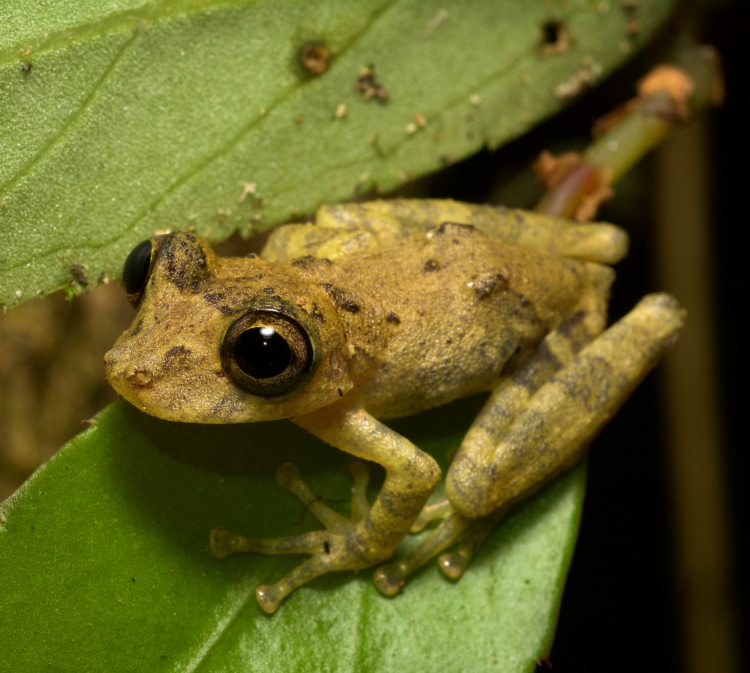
(380, 310)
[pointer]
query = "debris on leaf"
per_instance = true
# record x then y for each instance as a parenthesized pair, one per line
(555, 38)
(315, 58)
(369, 86)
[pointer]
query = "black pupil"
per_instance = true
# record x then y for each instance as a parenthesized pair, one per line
(135, 271)
(261, 352)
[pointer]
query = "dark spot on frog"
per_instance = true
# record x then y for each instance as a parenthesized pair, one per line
(213, 298)
(519, 218)
(225, 408)
(26, 67)
(310, 261)
(327, 547)
(350, 306)
(340, 298)
(333, 293)
(317, 314)
(358, 350)
(224, 309)
(268, 290)
(422, 342)
(431, 265)
(303, 262)
(137, 328)
(448, 341)
(487, 283)
(260, 276)
(174, 354)
(341, 392)
(392, 318)
(251, 255)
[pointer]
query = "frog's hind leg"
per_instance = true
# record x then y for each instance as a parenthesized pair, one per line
(537, 424)
(223, 543)
(477, 450)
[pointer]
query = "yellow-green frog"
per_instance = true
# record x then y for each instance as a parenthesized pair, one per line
(381, 310)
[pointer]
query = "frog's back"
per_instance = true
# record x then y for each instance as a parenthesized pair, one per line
(446, 314)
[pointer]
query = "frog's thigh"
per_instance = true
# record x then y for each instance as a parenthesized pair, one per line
(552, 430)
(469, 469)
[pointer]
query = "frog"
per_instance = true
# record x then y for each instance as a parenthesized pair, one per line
(380, 310)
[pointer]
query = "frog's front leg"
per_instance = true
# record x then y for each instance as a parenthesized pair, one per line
(372, 535)
(531, 430)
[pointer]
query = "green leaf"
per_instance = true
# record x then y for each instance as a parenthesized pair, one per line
(104, 560)
(138, 116)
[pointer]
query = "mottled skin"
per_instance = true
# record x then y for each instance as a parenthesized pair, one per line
(407, 308)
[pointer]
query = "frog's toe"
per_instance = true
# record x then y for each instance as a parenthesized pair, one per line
(269, 597)
(432, 512)
(360, 504)
(454, 564)
(288, 476)
(389, 579)
(222, 543)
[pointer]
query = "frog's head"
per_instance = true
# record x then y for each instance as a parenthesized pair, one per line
(224, 340)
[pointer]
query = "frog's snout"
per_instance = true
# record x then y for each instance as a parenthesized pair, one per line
(122, 374)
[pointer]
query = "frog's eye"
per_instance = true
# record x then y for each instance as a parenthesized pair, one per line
(268, 353)
(136, 270)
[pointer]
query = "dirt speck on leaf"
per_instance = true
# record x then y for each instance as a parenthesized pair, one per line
(555, 38)
(369, 86)
(79, 274)
(315, 58)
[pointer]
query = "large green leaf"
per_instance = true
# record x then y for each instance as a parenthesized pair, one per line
(137, 116)
(105, 566)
